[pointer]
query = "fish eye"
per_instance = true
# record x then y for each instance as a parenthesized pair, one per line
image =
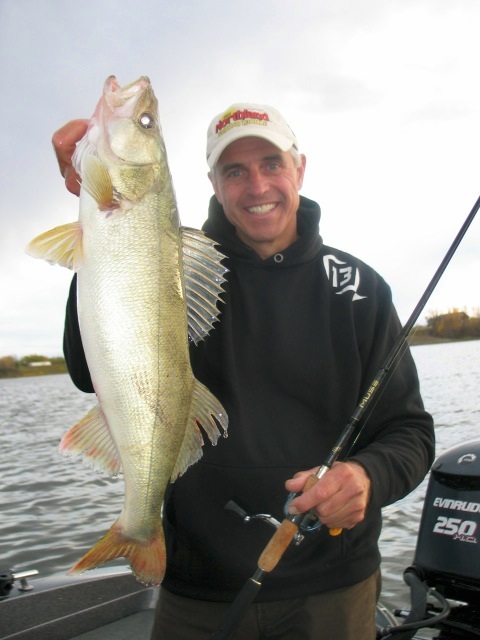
(146, 121)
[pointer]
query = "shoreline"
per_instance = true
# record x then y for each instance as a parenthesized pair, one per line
(59, 368)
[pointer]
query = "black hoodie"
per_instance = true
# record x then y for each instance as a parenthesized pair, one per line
(300, 337)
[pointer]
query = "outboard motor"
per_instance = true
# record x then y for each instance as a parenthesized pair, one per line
(447, 555)
(448, 545)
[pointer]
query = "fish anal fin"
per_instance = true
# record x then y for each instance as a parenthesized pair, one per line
(147, 558)
(204, 275)
(206, 411)
(91, 439)
(61, 245)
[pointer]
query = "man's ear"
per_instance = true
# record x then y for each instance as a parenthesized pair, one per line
(301, 171)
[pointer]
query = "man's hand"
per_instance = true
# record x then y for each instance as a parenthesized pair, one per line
(64, 142)
(340, 498)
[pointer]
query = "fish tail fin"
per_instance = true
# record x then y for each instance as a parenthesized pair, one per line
(147, 558)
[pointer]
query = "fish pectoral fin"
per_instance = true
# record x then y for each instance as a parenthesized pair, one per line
(204, 275)
(147, 558)
(61, 245)
(91, 439)
(97, 183)
(206, 411)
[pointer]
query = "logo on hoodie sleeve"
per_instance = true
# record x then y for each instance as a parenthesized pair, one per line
(342, 276)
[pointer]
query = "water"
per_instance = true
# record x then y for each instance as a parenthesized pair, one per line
(50, 505)
(53, 508)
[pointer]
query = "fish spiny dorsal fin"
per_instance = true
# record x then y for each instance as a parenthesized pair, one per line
(204, 275)
(61, 245)
(206, 411)
(91, 439)
(97, 182)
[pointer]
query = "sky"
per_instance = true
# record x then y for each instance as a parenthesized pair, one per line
(383, 96)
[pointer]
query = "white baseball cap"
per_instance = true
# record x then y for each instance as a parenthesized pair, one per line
(243, 120)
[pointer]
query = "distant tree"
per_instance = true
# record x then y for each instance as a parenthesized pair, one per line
(8, 364)
(25, 361)
(474, 327)
(454, 324)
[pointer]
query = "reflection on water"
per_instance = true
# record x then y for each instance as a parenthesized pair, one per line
(53, 509)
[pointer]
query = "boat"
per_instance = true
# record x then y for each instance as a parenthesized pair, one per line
(444, 579)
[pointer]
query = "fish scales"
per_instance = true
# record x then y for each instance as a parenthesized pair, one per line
(138, 283)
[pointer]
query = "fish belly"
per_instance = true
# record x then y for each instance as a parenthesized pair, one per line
(134, 330)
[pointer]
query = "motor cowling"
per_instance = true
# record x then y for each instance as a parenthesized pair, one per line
(448, 544)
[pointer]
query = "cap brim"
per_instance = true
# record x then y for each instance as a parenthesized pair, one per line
(282, 142)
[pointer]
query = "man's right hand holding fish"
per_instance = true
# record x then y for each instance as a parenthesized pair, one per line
(64, 142)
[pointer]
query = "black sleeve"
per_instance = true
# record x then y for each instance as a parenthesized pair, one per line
(397, 444)
(72, 344)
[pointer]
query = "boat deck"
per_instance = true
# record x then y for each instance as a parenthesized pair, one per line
(94, 606)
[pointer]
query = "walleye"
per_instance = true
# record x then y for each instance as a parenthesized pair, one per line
(144, 286)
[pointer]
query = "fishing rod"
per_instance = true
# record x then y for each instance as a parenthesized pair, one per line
(293, 524)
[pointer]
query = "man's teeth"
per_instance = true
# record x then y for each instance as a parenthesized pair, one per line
(261, 208)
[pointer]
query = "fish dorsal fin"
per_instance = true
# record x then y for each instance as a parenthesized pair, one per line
(61, 245)
(203, 271)
(97, 182)
(207, 412)
(91, 439)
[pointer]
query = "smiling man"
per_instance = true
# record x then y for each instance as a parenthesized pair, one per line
(257, 184)
(302, 333)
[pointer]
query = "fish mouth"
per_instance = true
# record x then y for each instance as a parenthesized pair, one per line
(116, 95)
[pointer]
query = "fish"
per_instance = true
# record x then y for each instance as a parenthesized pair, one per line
(145, 287)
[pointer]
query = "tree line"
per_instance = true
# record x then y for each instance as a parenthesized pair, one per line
(454, 325)
(33, 365)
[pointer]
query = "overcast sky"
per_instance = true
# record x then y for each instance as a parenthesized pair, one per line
(382, 94)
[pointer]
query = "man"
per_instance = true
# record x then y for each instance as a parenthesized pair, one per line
(302, 333)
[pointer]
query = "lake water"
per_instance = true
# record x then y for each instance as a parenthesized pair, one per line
(53, 509)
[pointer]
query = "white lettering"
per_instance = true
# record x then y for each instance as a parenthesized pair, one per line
(457, 505)
(456, 528)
